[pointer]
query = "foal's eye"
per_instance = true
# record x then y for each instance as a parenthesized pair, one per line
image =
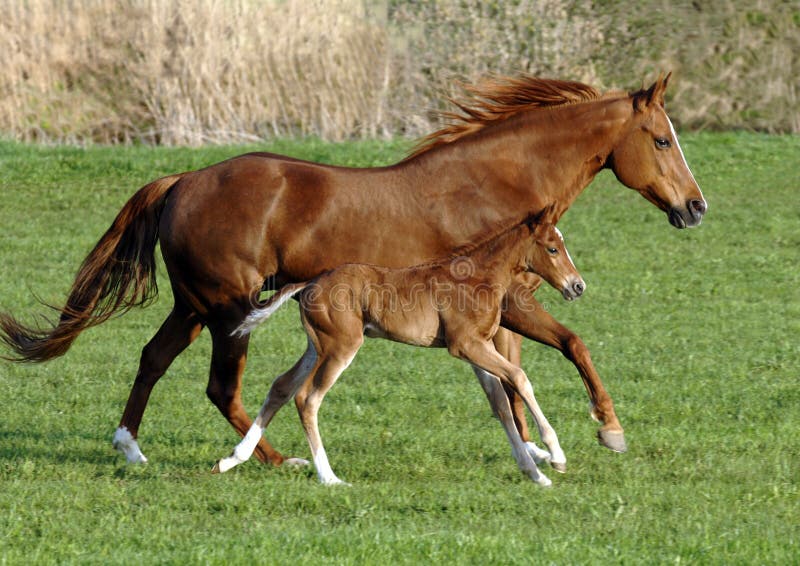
(552, 251)
(663, 143)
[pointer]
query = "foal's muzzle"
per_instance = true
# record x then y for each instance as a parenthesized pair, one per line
(688, 216)
(573, 289)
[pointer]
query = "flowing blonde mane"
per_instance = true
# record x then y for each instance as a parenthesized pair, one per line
(496, 98)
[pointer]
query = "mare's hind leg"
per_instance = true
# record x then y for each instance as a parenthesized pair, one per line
(228, 359)
(282, 390)
(178, 331)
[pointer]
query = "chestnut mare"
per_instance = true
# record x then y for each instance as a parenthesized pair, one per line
(435, 305)
(260, 221)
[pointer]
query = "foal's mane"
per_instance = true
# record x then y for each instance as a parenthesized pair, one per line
(496, 232)
(498, 97)
(490, 236)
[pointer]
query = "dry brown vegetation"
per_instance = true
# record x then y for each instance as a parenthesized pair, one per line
(215, 71)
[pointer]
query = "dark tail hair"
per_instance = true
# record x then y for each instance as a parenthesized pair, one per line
(117, 275)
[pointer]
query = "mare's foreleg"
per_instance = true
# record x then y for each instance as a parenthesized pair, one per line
(282, 390)
(528, 317)
(176, 333)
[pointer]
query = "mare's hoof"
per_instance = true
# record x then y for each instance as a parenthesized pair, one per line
(296, 462)
(215, 469)
(560, 467)
(613, 440)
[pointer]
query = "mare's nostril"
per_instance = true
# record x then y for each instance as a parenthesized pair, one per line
(578, 287)
(697, 206)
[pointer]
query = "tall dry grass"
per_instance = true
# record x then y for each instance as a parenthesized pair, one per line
(213, 71)
(191, 72)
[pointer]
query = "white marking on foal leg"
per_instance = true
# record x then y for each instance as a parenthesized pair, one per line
(242, 452)
(324, 470)
(558, 460)
(539, 455)
(520, 450)
(126, 443)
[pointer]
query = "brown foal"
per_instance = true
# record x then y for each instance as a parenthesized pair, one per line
(455, 304)
(260, 221)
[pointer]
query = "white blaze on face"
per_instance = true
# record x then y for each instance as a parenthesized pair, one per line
(680, 151)
(560, 235)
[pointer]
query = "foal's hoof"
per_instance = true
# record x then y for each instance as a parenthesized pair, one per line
(296, 462)
(613, 440)
(560, 467)
(215, 469)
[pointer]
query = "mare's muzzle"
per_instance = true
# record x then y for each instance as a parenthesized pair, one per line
(688, 216)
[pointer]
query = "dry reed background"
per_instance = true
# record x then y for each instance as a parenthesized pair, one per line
(216, 71)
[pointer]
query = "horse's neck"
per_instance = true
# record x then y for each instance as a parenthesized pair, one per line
(522, 164)
(499, 259)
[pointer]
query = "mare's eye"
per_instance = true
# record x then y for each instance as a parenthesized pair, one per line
(663, 143)
(552, 251)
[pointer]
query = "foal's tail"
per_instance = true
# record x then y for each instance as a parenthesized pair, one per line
(259, 315)
(117, 275)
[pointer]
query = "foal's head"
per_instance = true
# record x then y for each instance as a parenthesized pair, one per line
(547, 256)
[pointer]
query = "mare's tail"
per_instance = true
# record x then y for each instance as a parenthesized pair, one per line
(262, 313)
(117, 275)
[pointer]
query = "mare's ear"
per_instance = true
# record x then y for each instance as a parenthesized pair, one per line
(654, 94)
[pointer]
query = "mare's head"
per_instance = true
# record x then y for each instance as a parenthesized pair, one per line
(547, 256)
(649, 160)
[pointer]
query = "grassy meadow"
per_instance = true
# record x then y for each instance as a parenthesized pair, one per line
(694, 332)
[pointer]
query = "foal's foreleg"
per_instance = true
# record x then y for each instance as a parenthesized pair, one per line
(537, 324)
(526, 460)
(509, 345)
(489, 382)
(282, 390)
(483, 355)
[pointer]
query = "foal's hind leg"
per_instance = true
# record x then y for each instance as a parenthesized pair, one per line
(178, 331)
(282, 390)
(228, 359)
(334, 359)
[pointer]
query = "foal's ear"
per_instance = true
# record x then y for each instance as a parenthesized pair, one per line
(654, 94)
(548, 215)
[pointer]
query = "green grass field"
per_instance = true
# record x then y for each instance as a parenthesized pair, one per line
(696, 334)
